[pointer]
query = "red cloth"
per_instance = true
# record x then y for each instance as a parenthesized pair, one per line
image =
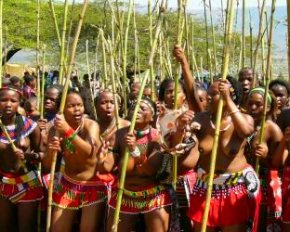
(230, 203)
(286, 195)
(145, 200)
(30, 191)
(274, 197)
(72, 194)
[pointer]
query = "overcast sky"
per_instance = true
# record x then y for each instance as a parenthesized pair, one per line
(217, 3)
(197, 4)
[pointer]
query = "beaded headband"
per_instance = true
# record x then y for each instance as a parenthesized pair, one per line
(261, 91)
(148, 103)
(13, 89)
(109, 91)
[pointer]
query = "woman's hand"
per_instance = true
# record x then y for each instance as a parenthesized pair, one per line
(54, 144)
(42, 123)
(19, 153)
(224, 89)
(261, 150)
(130, 140)
(183, 120)
(60, 124)
(178, 53)
(161, 109)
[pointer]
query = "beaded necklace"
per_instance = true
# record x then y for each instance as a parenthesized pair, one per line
(68, 141)
(221, 130)
(109, 129)
(142, 133)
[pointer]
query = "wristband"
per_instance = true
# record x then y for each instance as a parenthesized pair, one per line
(136, 153)
(69, 133)
(234, 112)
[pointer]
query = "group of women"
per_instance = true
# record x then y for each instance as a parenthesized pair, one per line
(90, 159)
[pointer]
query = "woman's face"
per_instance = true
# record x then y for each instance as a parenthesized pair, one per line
(281, 95)
(203, 97)
(9, 102)
(74, 108)
(144, 115)
(105, 106)
(50, 100)
(255, 105)
(213, 96)
(246, 80)
(169, 96)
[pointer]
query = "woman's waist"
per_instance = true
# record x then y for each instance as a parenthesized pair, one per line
(224, 165)
(223, 178)
(137, 183)
(79, 175)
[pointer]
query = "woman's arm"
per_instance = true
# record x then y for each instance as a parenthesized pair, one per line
(91, 145)
(192, 97)
(243, 123)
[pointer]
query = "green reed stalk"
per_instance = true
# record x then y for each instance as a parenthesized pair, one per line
(61, 108)
(63, 41)
(14, 148)
(186, 28)
(267, 79)
(116, 105)
(105, 72)
(136, 43)
(90, 86)
(244, 34)
(152, 76)
(194, 64)
(251, 41)
(259, 39)
(42, 84)
(210, 66)
(228, 40)
(38, 51)
(176, 81)
(213, 37)
(126, 155)
(55, 22)
(206, 32)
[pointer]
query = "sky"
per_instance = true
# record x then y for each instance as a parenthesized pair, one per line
(198, 4)
(217, 3)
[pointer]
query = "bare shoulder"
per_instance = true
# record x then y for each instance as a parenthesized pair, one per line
(92, 127)
(274, 129)
(201, 116)
(90, 123)
(124, 123)
(122, 131)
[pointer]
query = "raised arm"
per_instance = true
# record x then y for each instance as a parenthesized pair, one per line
(192, 97)
(243, 123)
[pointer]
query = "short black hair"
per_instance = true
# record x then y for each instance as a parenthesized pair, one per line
(165, 83)
(28, 79)
(244, 70)
(14, 80)
(282, 82)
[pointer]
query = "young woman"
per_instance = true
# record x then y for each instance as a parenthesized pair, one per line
(246, 78)
(281, 159)
(20, 187)
(79, 187)
(234, 181)
(105, 108)
(270, 210)
(52, 98)
(143, 194)
(281, 91)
